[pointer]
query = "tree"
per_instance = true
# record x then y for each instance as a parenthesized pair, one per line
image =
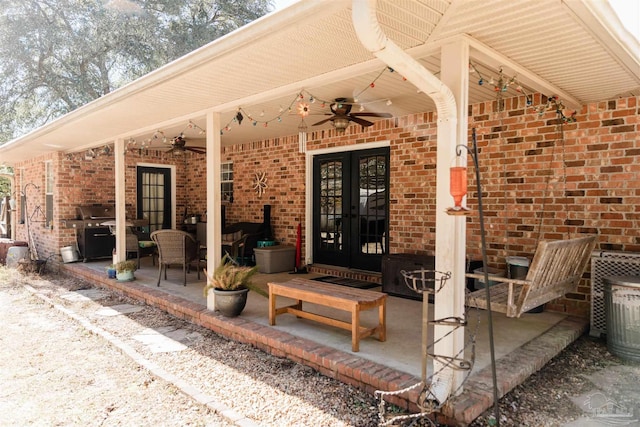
(57, 55)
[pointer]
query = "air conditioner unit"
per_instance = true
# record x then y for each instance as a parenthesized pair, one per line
(607, 264)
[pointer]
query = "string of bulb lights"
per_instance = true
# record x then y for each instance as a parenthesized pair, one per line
(500, 85)
(304, 107)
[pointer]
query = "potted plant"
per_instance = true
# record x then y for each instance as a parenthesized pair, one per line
(231, 283)
(124, 270)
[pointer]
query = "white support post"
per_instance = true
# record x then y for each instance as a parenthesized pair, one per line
(451, 230)
(214, 197)
(121, 211)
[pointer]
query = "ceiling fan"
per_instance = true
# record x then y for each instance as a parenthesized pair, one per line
(179, 146)
(342, 115)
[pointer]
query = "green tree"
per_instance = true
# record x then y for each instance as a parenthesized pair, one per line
(57, 55)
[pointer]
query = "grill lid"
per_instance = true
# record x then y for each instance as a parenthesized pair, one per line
(95, 212)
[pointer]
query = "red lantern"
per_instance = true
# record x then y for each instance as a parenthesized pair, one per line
(458, 185)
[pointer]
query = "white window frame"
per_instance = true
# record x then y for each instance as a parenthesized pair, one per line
(226, 172)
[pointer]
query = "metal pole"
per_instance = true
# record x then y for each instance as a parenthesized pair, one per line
(474, 155)
(496, 406)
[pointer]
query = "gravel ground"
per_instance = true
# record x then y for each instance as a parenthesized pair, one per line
(55, 371)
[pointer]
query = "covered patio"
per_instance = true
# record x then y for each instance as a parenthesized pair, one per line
(522, 345)
(432, 70)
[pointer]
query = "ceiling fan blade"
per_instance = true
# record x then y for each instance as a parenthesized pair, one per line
(361, 122)
(372, 115)
(322, 121)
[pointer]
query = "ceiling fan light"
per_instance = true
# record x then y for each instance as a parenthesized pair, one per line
(340, 124)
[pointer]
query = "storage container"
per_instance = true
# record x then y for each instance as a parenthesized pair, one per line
(69, 254)
(5, 244)
(15, 254)
(275, 259)
(518, 267)
(493, 272)
(622, 310)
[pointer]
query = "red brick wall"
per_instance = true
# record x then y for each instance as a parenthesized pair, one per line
(285, 178)
(522, 159)
(29, 175)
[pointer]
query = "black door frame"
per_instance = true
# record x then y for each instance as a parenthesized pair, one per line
(167, 221)
(341, 229)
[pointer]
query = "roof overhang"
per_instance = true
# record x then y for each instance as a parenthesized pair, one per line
(575, 49)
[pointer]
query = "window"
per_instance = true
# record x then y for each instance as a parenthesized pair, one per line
(226, 181)
(49, 194)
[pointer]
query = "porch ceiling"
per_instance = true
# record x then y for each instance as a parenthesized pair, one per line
(576, 49)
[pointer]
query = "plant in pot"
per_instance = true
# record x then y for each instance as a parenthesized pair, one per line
(124, 270)
(231, 283)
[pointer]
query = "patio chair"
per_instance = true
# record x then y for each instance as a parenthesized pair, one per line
(176, 247)
(234, 244)
(132, 245)
(139, 243)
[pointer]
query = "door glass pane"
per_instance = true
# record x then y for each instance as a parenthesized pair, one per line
(153, 199)
(372, 206)
(331, 205)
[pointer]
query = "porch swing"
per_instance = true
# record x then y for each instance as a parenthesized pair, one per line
(556, 269)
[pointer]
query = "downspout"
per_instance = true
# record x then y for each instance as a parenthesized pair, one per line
(373, 38)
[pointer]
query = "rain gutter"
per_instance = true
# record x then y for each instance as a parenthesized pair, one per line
(375, 40)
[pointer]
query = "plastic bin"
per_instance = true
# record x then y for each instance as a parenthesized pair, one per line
(517, 268)
(15, 254)
(493, 272)
(275, 259)
(622, 311)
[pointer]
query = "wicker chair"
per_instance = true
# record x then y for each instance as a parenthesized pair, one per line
(176, 247)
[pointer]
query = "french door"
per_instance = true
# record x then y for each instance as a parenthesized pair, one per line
(154, 196)
(350, 204)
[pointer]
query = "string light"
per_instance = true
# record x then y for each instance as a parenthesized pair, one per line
(554, 104)
(501, 84)
(298, 98)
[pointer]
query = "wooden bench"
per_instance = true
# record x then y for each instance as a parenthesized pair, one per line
(556, 269)
(339, 297)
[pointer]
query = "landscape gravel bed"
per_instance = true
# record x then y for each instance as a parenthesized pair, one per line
(267, 390)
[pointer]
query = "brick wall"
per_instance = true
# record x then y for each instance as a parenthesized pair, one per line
(284, 169)
(543, 180)
(523, 160)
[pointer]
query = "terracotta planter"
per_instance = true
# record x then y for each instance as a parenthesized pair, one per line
(230, 303)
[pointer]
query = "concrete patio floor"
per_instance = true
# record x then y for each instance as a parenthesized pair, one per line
(522, 346)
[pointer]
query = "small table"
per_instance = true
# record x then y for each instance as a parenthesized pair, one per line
(353, 300)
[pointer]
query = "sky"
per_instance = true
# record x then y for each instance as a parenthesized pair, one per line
(628, 11)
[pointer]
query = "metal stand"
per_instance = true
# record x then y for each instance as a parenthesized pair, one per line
(426, 283)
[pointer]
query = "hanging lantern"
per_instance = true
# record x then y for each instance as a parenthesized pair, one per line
(458, 189)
